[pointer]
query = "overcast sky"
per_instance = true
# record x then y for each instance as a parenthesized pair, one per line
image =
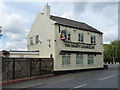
(16, 18)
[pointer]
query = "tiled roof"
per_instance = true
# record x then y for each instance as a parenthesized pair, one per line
(74, 24)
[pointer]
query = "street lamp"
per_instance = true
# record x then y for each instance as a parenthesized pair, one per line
(0, 32)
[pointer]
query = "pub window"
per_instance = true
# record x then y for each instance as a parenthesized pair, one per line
(37, 38)
(79, 58)
(90, 59)
(66, 59)
(80, 38)
(68, 36)
(59, 29)
(31, 41)
(93, 40)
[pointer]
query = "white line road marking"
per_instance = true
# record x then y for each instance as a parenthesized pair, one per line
(80, 86)
(106, 78)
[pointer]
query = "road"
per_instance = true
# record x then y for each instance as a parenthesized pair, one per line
(107, 79)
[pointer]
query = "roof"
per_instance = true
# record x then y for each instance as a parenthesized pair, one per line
(74, 24)
(83, 52)
(19, 52)
(23, 52)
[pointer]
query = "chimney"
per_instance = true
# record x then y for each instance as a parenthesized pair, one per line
(47, 11)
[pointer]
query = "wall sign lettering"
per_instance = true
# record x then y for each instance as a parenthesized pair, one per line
(78, 45)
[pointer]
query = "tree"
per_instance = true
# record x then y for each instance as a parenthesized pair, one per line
(112, 52)
(107, 53)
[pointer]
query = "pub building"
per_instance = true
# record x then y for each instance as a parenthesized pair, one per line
(73, 45)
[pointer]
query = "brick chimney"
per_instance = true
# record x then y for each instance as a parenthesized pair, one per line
(47, 11)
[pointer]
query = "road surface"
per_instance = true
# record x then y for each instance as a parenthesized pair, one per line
(107, 79)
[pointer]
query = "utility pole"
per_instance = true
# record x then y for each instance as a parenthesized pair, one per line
(0, 32)
(113, 53)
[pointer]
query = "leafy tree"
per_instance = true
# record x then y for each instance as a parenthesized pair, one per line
(107, 53)
(112, 52)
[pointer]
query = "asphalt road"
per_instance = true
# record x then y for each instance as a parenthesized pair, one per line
(106, 79)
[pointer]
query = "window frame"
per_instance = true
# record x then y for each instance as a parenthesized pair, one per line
(93, 39)
(68, 36)
(80, 37)
(91, 59)
(66, 59)
(31, 40)
(37, 38)
(79, 59)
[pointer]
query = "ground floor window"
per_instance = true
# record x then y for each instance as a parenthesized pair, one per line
(79, 58)
(66, 59)
(90, 59)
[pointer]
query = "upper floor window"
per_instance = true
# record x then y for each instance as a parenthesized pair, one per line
(37, 38)
(93, 40)
(68, 36)
(31, 41)
(80, 38)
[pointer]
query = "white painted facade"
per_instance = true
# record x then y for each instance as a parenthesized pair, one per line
(50, 43)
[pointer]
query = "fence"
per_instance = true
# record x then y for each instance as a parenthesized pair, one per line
(17, 68)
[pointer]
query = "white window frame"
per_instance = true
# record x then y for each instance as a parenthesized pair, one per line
(68, 35)
(37, 38)
(80, 37)
(93, 39)
(79, 59)
(31, 40)
(90, 59)
(66, 59)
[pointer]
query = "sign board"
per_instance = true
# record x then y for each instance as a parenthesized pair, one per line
(78, 45)
(63, 35)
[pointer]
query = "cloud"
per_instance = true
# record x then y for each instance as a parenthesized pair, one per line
(110, 36)
(101, 5)
(100, 15)
(80, 7)
(14, 23)
(14, 28)
(15, 36)
(0, 45)
(69, 15)
(11, 22)
(2, 6)
(16, 45)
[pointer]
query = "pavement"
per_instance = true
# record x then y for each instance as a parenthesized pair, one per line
(107, 78)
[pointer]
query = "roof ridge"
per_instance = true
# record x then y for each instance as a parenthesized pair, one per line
(67, 19)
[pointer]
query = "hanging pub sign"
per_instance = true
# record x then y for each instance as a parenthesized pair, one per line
(63, 35)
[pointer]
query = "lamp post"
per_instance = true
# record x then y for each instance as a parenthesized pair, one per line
(0, 32)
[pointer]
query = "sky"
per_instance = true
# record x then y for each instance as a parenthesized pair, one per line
(16, 19)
